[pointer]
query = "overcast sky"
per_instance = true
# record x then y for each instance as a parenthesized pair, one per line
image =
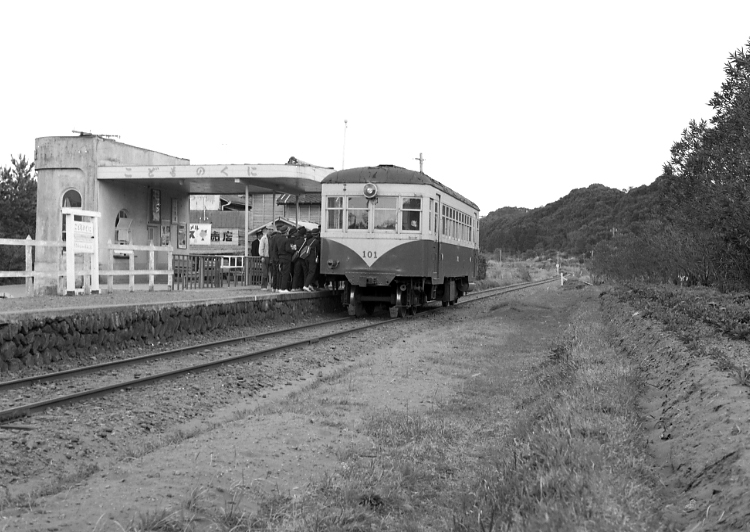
(512, 103)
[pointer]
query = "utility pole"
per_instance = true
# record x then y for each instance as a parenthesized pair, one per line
(421, 162)
(343, 153)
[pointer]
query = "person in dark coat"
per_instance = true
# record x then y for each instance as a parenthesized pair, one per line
(255, 245)
(312, 261)
(298, 275)
(273, 256)
(284, 251)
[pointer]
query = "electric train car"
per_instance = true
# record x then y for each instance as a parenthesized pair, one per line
(396, 237)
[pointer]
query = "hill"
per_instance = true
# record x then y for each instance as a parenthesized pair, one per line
(573, 224)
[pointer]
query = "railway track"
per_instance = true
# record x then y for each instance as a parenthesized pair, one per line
(161, 365)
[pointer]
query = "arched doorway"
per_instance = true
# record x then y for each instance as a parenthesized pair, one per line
(72, 199)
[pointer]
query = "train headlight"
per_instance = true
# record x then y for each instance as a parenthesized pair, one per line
(370, 190)
(332, 264)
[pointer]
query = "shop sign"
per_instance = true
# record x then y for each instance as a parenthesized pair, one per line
(83, 237)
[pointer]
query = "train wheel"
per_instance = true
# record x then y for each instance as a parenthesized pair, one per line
(413, 310)
(402, 312)
(369, 307)
(355, 303)
(445, 303)
(345, 296)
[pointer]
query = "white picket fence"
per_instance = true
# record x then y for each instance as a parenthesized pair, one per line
(59, 273)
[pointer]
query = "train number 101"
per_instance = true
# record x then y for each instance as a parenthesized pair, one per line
(369, 254)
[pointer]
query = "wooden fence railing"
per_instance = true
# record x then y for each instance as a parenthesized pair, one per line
(131, 272)
(29, 272)
(211, 271)
(253, 270)
(183, 271)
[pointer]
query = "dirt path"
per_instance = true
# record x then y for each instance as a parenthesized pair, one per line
(267, 446)
(305, 429)
(696, 419)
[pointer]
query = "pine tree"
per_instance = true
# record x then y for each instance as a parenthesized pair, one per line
(17, 209)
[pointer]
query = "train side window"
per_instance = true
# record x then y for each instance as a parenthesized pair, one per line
(358, 215)
(411, 214)
(386, 212)
(335, 212)
(432, 209)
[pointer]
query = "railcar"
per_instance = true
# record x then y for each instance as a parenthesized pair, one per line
(396, 237)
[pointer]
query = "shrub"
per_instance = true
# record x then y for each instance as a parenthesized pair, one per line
(481, 267)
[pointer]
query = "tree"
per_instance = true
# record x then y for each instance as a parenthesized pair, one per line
(706, 185)
(17, 209)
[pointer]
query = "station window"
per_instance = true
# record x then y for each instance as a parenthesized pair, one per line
(335, 213)
(122, 228)
(386, 212)
(154, 234)
(357, 213)
(411, 214)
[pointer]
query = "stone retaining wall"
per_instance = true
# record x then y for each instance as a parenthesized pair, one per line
(40, 341)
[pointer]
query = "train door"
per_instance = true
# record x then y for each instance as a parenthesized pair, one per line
(436, 219)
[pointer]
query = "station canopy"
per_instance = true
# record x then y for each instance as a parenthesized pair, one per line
(222, 178)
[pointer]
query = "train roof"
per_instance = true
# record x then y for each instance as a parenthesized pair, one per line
(386, 173)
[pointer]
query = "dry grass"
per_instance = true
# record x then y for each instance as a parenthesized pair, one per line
(511, 271)
(573, 457)
(56, 485)
(577, 458)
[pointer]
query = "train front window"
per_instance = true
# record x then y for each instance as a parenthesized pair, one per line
(411, 214)
(357, 213)
(335, 212)
(386, 212)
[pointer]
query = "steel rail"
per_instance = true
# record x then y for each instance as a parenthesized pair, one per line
(26, 410)
(506, 289)
(39, 406)
(49, 377)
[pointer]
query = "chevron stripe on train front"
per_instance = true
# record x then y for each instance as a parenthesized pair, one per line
(403, 258)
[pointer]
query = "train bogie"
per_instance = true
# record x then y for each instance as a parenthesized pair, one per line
(396, 237)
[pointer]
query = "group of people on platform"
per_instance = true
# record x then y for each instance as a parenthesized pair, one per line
(290, 259)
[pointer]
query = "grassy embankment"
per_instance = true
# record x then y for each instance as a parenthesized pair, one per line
(572, 459)
(507, 272)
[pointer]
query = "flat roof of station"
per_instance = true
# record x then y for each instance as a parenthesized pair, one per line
(222, 178)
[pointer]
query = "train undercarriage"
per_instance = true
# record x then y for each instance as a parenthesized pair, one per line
(403, 296)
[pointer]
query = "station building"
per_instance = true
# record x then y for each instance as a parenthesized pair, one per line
(143, 196)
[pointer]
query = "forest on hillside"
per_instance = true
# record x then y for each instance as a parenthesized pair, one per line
(692, 223)
(572, 225)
